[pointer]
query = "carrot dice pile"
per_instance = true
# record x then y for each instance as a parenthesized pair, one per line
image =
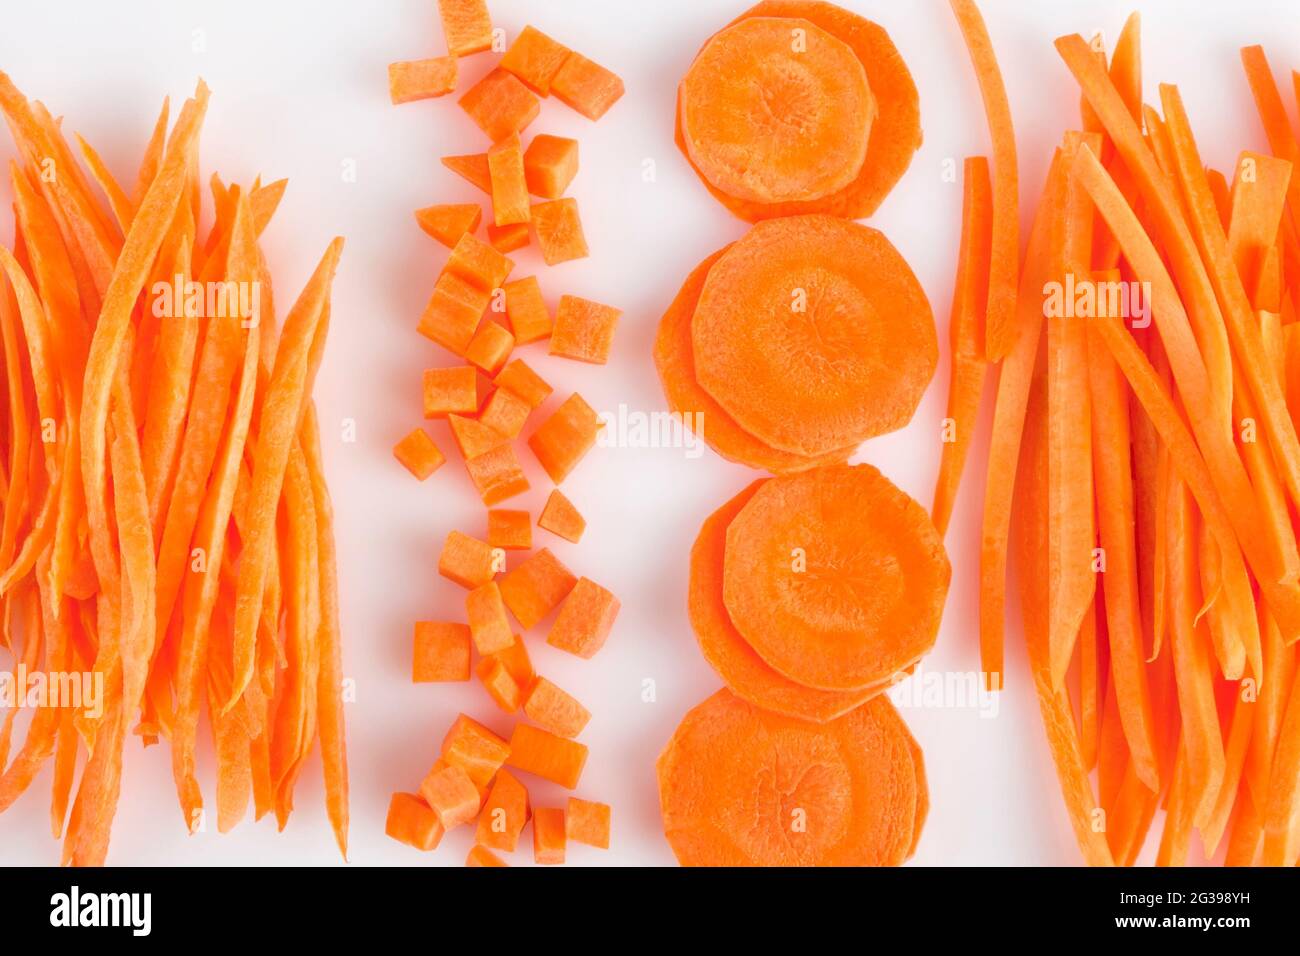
(481, 312)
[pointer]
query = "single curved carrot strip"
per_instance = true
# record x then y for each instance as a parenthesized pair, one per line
(1014, 380)
(279, 419)
(118, 200)
(966, 336)
(153, 153)
(1259, 203)
(1126, 64)
(1089, 684)
(40, 359)
(1176, 838)
(1244, 842)
(135, 538)
(19, 429)
(1270, 712)
(1002, 328)
(1282, 802)
(1272, 114)
(1235, 747)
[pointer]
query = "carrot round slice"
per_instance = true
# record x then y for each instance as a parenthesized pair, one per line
(835, 577)
(745, 673)
(741, 786)
(814, 335)
(675, 360)
(776, 109)
(895, 131)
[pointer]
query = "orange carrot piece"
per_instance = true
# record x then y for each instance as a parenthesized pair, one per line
(504, 814)
(450, 391)
(497, 475)
(479, 264)
(1001, 326)
(536, 587)
(564, 439)
(516, 661)
(509, 530)
(586, 86)
(453, 314)
(505, 412)
(475, 749)
(520, 379)
(441, 652)
(418, 454)
(467, 26)
(509, 187)
(448, 222)
(550, 163)
(585, 619)
(1273, 117)
(529, 318)
(545, 755)
(560, 517)
(1259, 195)
(452, 796)
(490, 347)
(586, 821)
(555, 710)
(966, 336)
(1281, 808)
(411, 80)
(508, 238)
(487, 619)
(535, 58)
(499, 683)
(559, 231)
(499, 104)
(413, 822)
(584, 330)
(473, 168)
(482, 856)
(467, 561)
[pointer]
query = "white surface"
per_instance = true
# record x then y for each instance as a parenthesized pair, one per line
(299, 90)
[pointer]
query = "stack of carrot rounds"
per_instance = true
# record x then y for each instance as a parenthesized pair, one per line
(811, 592)
(1144, 466)
(166, 531)
(480, 313)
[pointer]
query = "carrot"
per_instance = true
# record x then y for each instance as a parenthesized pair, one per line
(586, 86)
(584, 330)
(788, 604)
(413, 822)
(895, 133)
(509, 186)
(586, 821)
(499, 104)
(412, 80)
(545, 755)
(448, 222)
(478, 264)
(481, 856)
(451, 391)
(509, 530)
(558, 229)
(467, 26)
(565, 437)
(1277, 127)
(505, 412)
(497, 475)
(499, 683)
(473, 168)
(490, 347)
(516, 662)
(535, 58)
(550, 163)
(529, 319)
(1281, 807)
(1259, 195)
(441, 652)
(535, 587)
(486, 613)
(549, 836)
(724, 748)
(452, 796)
(561, 518)
(508, 238)
(824, 285)
(555, 710)
(504, 814)
(453, 313)
(1001, 326)
(584, 620)
(467, 561)
(418, 454)
(752, 69)
(475, 749)
(966, 337)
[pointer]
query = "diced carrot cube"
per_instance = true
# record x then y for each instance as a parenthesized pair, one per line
(473, 438)
(562, 440)
(536, 587)
(419, 454)
(509, 187)
(504, 814)
(452, 390)
(475, 749)
(561, 518)
(487, 618)
(454, 311)
(506, 412)
(555, 710)
(508, 238)
(490, 347)
(452, 795)
(519, 379)
(466, 25)
(516, 660)
(548, 836)
(586, 821)
(559, 231)
(545, 755)
(413, 822)
(584, 330)
(535, 58)
(479, 264)
(499, 684)
(550, 163)
(449, 221)
(482, 856)
(441, 652)
(526, 310)
(509, 530)
(499, 104)
(586, 87)
(497, 475)
(585, 619)
(412, 80)
(467, 561)
(473, 168)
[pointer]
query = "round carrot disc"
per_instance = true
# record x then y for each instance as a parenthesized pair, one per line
(813, 334)
(748, 676)
(742, 786)
(675, 361)
(776, 110)
(895, 131)
(835, 577)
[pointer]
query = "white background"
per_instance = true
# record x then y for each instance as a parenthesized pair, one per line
(299, 90)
